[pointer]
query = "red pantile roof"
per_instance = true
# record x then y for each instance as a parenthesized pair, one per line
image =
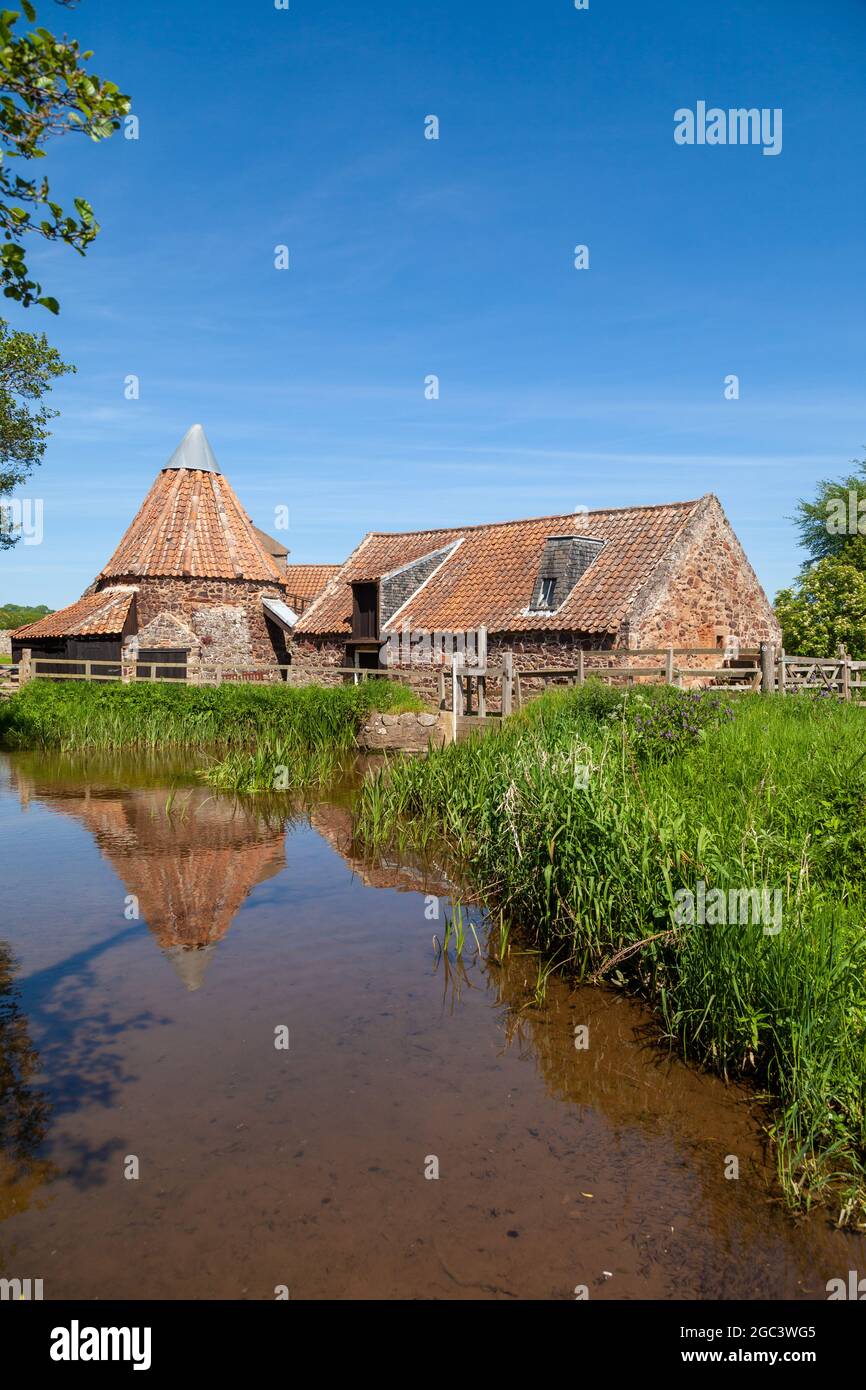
(489, 578)
(101, 614)
(192, 524)
(306, 582)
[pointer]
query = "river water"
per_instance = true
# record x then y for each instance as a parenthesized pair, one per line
(158, 942)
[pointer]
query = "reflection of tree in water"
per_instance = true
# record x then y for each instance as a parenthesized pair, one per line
(79, 1058)
(24, 1108)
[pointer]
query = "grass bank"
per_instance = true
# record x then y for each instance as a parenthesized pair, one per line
(599, 824)
(254, 729)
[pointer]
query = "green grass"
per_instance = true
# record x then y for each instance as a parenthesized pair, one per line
(581, 820)
(254, 728)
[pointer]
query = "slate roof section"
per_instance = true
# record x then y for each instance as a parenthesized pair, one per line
(192, 525)
(490, 578)
(95, 615)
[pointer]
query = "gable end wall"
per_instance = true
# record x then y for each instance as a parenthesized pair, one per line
(704, 589)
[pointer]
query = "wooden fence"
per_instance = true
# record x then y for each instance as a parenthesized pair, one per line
(463, 688)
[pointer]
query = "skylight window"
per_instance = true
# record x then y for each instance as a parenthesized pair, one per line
(548, 589)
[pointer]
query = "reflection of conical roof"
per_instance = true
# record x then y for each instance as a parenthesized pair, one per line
(189, 965)
(192, 524)
(191, 868)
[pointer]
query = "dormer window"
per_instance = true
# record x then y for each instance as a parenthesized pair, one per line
(564, 560)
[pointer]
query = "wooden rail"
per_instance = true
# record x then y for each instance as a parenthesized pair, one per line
(464, 689)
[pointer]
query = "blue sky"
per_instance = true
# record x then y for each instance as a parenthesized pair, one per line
(408, 257)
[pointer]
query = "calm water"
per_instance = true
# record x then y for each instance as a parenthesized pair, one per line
(152, 1038)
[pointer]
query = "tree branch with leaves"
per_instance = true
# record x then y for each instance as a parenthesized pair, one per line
(46, 90)
(29, 365)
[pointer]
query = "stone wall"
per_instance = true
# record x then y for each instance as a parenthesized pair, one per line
(540, 651)
(319, 651)
(5, 641)
(409, 732)
(166, 630)
(705, 592)
(225, 616)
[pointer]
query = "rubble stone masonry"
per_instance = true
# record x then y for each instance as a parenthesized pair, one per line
(225, 615)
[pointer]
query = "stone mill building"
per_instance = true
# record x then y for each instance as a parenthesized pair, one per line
(543, 588)
(192, 581)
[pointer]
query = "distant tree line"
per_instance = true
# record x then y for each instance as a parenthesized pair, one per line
(16, 614)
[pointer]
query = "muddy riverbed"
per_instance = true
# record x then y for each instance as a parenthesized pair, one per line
(160, 945)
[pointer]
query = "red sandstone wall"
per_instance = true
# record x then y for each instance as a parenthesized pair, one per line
(706, 590)
(240, 635)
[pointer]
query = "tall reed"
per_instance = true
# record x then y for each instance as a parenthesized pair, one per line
(590, 814)
(74, 715)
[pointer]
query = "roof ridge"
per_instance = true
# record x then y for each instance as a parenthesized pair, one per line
(551, 516)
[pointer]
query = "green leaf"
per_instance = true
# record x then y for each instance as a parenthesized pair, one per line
(49, 303)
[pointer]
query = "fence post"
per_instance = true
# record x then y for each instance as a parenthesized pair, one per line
(845, 672)
(669, 666)
(442, 704)
(88, 671)
(783, 679)
(127, 665)
(25, 672)
(768, 656)
(193, 667)
(507, 683)
(456, 694)
(581, 673)
(482, 697)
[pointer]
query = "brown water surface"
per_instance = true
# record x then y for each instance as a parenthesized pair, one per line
(152, 1036)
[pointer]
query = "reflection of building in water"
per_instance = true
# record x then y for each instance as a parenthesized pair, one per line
(191, 862)
(334, 824)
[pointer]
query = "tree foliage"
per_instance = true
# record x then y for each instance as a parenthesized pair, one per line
(28, 368)
(14, 615)
(828, 525)
(826, 604)
(824, 608)
(45, 90)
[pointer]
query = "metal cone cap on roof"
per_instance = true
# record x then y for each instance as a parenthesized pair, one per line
(194, 451)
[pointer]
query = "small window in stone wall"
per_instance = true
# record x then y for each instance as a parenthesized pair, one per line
(548, 590)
